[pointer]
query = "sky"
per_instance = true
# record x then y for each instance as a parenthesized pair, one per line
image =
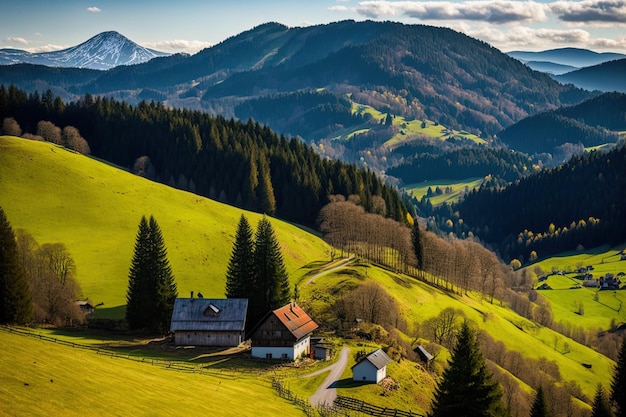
(191, 25)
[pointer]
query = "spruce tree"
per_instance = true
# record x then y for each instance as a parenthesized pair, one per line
(618, 384)
(15, 296)
(271, 281)
(151, 288)
(240, 272)
(416, 240)
(540, 407)
(601, 406)
(467, 388)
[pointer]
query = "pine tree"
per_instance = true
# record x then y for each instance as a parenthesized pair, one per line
(601, 406)
(240, 272)
(271, 280)
(618, 384)
(540, 407)
(467, 388)
(151, 288)
(15, 297)
(416, 240)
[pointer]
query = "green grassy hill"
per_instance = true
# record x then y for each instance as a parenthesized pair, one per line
(600, 307)
(94, 209)
(41, 378)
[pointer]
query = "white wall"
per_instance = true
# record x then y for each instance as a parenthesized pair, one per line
(365, 371)
(302, 347)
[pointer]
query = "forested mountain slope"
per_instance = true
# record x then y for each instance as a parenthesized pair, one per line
(577, 205)
(590, 123)
(418, 71)
(246, 165)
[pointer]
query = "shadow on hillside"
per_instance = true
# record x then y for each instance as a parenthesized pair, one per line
(348, 383)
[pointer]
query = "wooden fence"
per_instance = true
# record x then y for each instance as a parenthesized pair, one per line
(370, 409)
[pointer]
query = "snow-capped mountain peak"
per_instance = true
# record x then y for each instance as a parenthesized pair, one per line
(103, 51)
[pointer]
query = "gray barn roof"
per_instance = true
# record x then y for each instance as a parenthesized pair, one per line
(209, 314)
(378, 358)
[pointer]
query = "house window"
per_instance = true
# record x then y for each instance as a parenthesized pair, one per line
(285, 356)
(268, 356)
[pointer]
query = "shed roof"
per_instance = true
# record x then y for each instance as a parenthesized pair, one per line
(378, 358)
(423, 353)
(209, 314)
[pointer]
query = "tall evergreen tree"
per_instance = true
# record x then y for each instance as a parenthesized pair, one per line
(240, 272)
(15, 296)
(618, 384)
(416, 240)
(151, 288)
(271, 280)
(601, 406)
(467, 388)
(540, 407)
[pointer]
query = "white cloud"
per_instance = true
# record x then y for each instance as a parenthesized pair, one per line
(529, 39)
(590, 11)
(338, 9)
(492, 11)
(94, 9)
(47, 48)
(177, 45)
(15, 39)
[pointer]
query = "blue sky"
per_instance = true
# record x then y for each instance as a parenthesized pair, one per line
(190, 25)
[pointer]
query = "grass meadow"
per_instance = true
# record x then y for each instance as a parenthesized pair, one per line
(41, 378)
(94, 209)
(458, 188)
(599, 308)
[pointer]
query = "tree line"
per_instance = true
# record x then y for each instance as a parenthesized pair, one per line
(574, 206)
(243, 164)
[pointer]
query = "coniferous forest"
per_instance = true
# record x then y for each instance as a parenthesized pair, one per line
(243, 164)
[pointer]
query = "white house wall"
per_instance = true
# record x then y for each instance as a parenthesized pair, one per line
(289, 352)
(365, 371)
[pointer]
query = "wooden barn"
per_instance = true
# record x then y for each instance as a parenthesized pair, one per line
(284, 333)
(209, 321)
(372, 368)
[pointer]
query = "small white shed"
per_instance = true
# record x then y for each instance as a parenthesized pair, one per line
(372, 368)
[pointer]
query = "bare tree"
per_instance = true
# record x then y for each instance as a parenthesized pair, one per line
(10, 127)
(73, 140)
(442, 329)
(50, 132)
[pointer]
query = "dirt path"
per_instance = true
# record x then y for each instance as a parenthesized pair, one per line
(326, 393)
(342, 264)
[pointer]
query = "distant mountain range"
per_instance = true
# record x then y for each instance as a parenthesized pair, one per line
(562, 60)
(416, 71)
(609, 76)
(103, 51)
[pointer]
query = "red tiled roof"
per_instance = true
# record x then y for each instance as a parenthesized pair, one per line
(296, 320)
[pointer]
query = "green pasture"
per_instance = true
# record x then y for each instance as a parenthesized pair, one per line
(600, 307)
(41, 378)
(419, 302)
(459, 187)
(409, 129)
(94, 209)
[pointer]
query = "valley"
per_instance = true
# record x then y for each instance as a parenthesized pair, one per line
(411, 185)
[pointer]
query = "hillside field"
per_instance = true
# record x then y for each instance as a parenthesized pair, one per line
(600, 307)
(94, 209)
(419, 190)
(41, 378)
